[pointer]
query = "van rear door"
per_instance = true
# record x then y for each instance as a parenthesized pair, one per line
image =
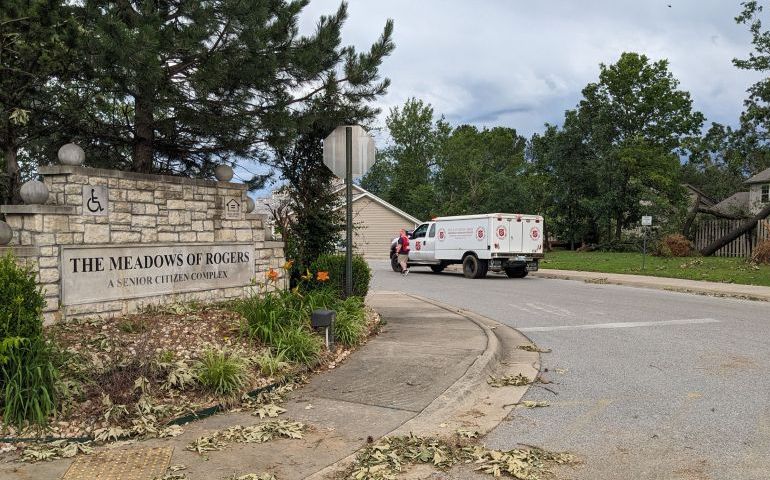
(501, 234)
(532, 234)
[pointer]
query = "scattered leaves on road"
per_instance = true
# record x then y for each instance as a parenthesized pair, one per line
(54, 450)
(252, 476)
(465, 433)
(533, 404)
(270, 410)
(388, 457)
(533, 348)
(523, 463)
(509, 381)
(261, 433)
(174, 472)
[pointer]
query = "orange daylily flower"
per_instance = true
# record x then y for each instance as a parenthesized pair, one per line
(287, 266)
(272, 275)
(322, 276)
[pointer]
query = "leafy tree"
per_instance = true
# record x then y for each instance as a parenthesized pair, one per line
(407, 166)
(721, 160)
(481, 171)
(564, 186)
(754, 133)
(182, 86)
(36, 41)
(313, 228)
(636, 121)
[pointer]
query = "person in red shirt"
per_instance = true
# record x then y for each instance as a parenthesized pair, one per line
(402, 248)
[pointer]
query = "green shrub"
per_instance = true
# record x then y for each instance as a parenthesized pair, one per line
(21, 301)
(270, 364)
(263, 316)
(27, 375)
(281, 320)
(28, 381)
(335, 266)
(223, 372)
(350, 325)
(298, 343)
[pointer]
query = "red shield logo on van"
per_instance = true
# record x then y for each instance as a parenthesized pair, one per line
(534, 233)
(501, 231)
(480, 233)
(441, 235)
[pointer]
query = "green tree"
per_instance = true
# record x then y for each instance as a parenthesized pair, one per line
(405, 175)
(482, 171)
(314, 225)
(754, 133)
(636, 120)
(563, 185)
(36, 42)
(721, 160)
(182, 86)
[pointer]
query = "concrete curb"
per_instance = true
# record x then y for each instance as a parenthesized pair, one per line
(729, 290)
(469, 402)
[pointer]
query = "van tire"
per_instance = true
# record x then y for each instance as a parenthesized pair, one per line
(438, 268)
(518, 272)
(394, 264)
(474, 268)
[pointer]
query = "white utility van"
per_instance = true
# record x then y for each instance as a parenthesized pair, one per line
(507, 242)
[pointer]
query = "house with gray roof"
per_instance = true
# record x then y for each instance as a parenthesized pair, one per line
(759, 190)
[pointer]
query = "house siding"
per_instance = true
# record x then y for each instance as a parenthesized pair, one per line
(755, 197)
(374, 228)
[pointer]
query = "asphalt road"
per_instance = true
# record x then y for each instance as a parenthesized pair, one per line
(649, 384)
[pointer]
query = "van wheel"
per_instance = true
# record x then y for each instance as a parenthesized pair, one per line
(474, 268)
(438, 268)
(519, 272)
(394, 264)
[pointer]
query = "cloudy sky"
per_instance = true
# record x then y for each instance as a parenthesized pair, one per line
(521, 64)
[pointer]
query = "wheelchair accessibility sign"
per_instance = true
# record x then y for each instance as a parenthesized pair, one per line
(96, 200)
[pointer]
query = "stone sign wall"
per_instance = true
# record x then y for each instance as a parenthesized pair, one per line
(108, 242)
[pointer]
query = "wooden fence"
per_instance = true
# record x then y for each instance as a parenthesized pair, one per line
(710, 230)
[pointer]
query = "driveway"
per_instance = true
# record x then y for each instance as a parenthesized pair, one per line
(647, 384)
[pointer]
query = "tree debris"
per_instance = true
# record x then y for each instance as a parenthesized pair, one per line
(509, 381)
(388, 457)
(54, 450)
(533, 348)
(261, 433)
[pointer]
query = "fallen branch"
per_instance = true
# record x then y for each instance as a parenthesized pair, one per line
(743, 228)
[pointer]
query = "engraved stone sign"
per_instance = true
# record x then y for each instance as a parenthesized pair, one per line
(104, 273)
(232, 208)
(96, 200)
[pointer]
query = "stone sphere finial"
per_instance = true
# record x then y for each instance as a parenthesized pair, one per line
(250, 205)
(6, 233)
(224, 173)
(34, 192)
(71, 154)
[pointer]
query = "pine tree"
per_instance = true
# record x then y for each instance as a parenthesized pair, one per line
(180, 87)
(36, 42)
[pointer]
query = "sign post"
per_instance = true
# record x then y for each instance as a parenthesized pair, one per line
(646, 222)
(348, 211)
(349, 151)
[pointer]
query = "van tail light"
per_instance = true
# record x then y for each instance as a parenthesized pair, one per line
(537, 220)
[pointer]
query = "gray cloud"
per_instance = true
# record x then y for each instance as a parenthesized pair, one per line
(521, 64)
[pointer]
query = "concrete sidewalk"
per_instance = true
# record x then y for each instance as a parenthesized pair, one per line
(426, 373)
(750, 292)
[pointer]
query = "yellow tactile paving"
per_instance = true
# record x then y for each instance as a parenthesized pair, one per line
(130, 464)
